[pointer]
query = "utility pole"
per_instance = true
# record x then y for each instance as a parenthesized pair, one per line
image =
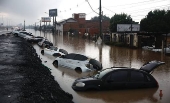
(24, 25)
(131, 26)
(100, 18)
(35, 25)
(99, 40)
(40, 25)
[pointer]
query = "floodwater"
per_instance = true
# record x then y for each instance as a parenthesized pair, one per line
(109, 56)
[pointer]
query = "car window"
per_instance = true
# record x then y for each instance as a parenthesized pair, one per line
(46, 42)
(136, 76)
(80, 57)
(119, 76)
(51, 48)
(102, 73)
(63, 51)
(55, 48)
(70, 56)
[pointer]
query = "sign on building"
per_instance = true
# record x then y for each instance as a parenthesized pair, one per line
(45, 19)
(82, 15)
(128, 27)
(52, 12)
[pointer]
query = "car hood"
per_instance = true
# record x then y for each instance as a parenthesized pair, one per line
(149, 66)
(85, 79)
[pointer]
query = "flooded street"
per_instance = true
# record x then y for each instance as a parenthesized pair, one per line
(109, 56)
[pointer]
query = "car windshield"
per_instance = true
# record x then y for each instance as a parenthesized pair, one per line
(53, 48)
(102, 73)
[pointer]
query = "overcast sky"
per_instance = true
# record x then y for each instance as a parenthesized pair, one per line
(13, 12)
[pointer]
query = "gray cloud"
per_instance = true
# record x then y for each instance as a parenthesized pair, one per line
(27, 9)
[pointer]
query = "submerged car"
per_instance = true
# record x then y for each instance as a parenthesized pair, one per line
(120, 78)
(33, 39)
(54, 51)
(45, 43)
(78, 62)
(22, 34)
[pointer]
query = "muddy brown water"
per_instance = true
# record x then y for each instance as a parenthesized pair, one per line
(109, 56)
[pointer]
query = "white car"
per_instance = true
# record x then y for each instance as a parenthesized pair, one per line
(54, 51)
(77, 62)
(22, 33)
(45, 43)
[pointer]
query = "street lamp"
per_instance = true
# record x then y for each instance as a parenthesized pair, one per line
(48, 14)
(40, 23)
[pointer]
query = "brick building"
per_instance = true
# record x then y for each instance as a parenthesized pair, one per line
(78, 25)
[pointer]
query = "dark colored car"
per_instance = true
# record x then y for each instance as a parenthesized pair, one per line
(35, 39)
(45, 43)
(120, 78)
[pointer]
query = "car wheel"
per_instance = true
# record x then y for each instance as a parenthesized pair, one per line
(55, 63)
(15, 34)
(43, 45)
(47, 46)
(78, 70)
(42, 52)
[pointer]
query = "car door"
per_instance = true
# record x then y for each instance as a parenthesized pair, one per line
(79, 60)
(51, 50)
(116, 79)
(20, 34)
(47, 51)
(136, 79)
(69, 60)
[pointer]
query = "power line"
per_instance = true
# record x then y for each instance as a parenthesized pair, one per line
(152, 8)
(137, 3)
(91, 12)
(91, 7)
(141, 9)
(108, 9)
(71, 8)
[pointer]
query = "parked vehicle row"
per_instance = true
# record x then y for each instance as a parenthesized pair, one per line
(27, 36)
(106, 79)
(77, 62)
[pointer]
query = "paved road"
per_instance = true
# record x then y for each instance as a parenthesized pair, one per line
(4, 32)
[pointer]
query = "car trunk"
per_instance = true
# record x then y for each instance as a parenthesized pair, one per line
(96, 65)
(150, 66)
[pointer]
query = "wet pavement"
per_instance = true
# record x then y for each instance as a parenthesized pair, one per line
(109, 56)
(23, 78)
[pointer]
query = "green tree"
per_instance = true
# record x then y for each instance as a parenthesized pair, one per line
(104, 17)
(156, 21)
(119, 19)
